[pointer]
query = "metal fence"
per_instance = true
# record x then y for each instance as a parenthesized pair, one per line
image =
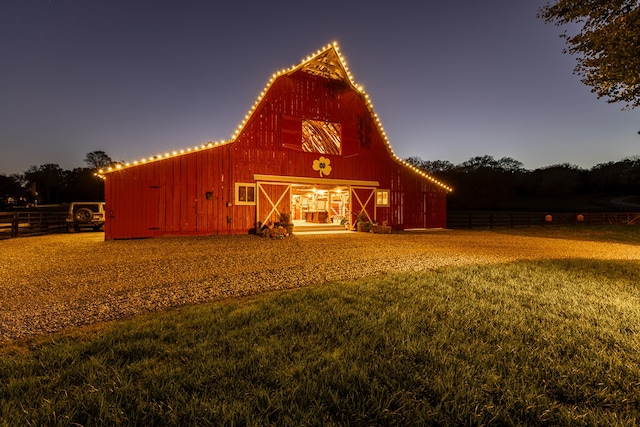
(477, 219)
(22, 224)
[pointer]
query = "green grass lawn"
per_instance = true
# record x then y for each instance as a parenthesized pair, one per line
(629, 234)
(547, 342)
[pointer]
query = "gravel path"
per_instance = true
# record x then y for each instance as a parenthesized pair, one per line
(55, 282)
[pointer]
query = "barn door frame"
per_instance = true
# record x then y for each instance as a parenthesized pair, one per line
(362, 206)
(289, 181)
(274, 206)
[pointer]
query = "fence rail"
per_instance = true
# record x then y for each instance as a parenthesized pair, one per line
(22, 224)
(476, 219)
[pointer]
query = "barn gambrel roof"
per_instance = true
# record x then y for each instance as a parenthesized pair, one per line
(327, 62)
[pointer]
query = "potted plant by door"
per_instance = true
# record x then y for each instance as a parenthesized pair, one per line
(381, 229)
(286, 223)
(362, 222)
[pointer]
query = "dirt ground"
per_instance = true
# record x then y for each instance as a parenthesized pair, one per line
(56, 282)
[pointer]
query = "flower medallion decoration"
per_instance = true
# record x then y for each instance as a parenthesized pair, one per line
(322, 165)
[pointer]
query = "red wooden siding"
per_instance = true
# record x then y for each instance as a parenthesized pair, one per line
(301, 95)
(193, 193)
(184, 195)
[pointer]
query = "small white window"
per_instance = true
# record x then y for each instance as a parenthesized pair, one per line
(245, 194)
(382, 198)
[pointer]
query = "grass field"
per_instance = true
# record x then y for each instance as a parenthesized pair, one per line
(534, 342)
(628, 234)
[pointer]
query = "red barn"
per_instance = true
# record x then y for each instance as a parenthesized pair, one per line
(311, 146)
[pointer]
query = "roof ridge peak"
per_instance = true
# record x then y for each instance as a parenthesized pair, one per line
(326, 62)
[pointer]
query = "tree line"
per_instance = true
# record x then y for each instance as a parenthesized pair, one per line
(50, 184)
(483, 182)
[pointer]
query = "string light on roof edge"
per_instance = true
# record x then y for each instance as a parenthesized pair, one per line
(357, 87)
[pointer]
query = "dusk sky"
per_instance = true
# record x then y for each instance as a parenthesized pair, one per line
(449, 80)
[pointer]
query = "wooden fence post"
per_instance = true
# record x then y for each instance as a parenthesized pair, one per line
(14, 225)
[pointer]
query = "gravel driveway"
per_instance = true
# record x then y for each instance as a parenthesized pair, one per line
(55, 282)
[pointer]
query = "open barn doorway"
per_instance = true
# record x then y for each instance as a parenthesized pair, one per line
(312, 204)
(320, 207)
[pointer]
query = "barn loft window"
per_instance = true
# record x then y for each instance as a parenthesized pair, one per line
(321, 137)
(245, 194)
(382, 198)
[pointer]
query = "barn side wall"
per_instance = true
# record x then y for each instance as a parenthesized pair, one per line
(183, 195)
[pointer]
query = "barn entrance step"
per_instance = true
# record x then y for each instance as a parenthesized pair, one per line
(318, 229)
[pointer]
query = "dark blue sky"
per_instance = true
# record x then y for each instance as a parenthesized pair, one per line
(449, 80)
